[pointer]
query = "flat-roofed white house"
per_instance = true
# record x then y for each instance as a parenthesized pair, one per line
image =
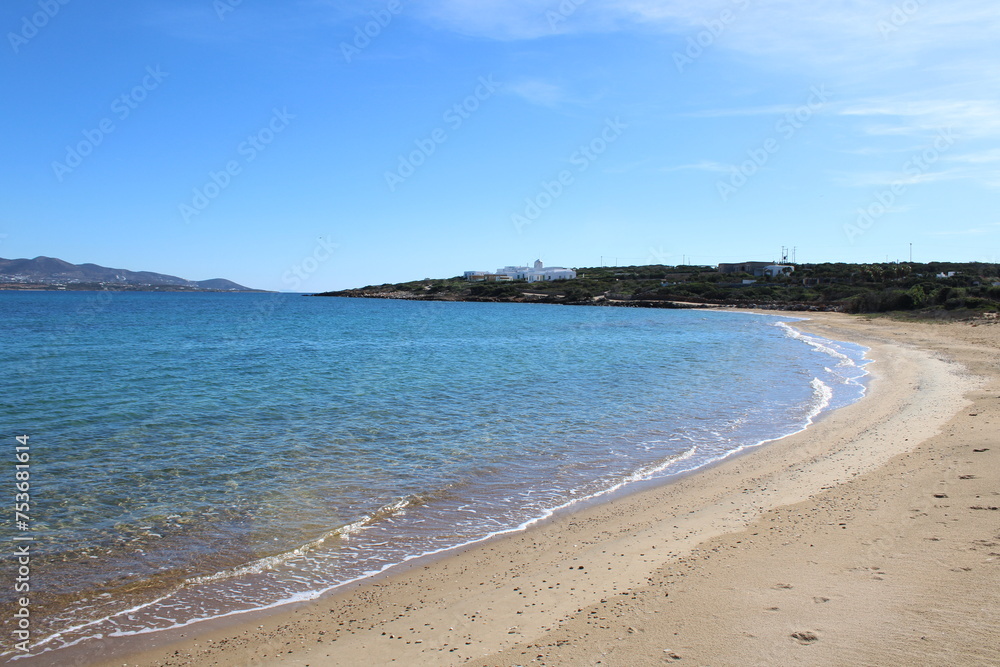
(538, 272)
(532, 274)
(775, 270)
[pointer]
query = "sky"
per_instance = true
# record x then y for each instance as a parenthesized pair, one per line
(315, 145)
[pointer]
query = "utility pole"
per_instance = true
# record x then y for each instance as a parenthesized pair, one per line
(911, 253)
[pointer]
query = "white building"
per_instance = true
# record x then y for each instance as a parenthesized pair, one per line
(775, 270)
(538, 272)
(531, 274)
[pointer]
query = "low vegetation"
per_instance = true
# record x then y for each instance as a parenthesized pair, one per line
(938, 289)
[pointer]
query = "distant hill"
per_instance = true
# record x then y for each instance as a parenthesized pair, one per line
(43, 272)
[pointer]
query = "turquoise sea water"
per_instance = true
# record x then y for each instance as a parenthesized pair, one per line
(196, 455)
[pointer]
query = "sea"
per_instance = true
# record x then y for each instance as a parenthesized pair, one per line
(200, 455)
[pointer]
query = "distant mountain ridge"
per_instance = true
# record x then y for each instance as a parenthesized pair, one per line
(56, 272)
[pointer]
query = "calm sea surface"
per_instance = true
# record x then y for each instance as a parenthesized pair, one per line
(196, 455)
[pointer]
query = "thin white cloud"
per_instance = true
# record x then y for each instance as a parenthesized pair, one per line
(628, 167)
(992, 228)
(912, 115)
(703, 165)
(957, 131)
(982, 157)
(825, 31)
(867, 151)
(535, 91)
(831, 34)
(905, 178)
(772, 110)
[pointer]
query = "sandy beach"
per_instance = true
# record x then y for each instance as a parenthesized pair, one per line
(871, 538)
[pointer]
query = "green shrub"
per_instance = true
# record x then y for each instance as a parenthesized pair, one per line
(918, 295)
(495, 289)
(880, 302)
(976, 303)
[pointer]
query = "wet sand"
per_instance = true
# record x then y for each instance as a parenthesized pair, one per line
(871, 538)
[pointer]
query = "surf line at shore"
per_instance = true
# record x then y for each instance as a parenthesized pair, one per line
(685, 462)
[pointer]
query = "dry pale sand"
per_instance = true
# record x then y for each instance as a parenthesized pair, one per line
(872, 538)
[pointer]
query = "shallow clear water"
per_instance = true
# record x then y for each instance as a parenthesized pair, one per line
(195, 455)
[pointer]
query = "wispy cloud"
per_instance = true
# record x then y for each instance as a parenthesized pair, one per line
(868, 151)
(911, 115)
(627, 167)
(772, 110)
(538, 92)
(992, 228)
(704, 165)
(972, 122)
(888, 178)
(830, 31)
(982, 157)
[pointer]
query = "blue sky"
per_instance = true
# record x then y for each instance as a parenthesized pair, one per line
(319, 144)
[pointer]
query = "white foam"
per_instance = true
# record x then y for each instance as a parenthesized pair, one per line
(822, 395)
(821, 400)
(343, 532)
(819, 344)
